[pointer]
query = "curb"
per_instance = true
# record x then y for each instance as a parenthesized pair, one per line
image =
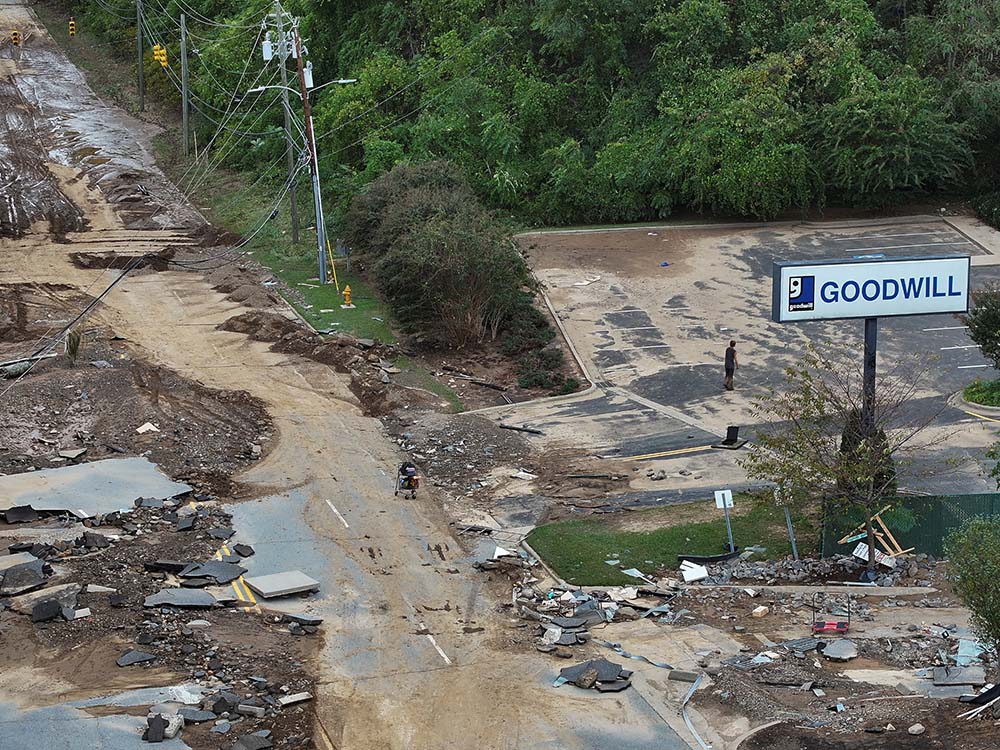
(550, 399)
(968, 406)
(843, 223)
(744, 737)
(962, 232)
(545, 566)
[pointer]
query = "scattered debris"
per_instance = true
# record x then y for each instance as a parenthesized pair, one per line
(842, 649)
(599, 674)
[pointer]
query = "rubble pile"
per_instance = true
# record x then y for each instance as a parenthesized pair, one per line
(921, 570)
(459, 454)
(369, 362)
(153, 583)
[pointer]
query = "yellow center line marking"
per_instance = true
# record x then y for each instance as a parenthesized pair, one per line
(981, 416)
(664, 454)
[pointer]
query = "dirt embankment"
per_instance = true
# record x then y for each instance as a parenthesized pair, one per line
(202, 435)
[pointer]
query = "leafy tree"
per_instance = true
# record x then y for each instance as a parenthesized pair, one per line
(973, 553)
(815, 449)
(888, 136)
(444, 264)
(983, 321)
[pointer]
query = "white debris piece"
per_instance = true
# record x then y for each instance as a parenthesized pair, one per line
(147, 427)
(693, 572)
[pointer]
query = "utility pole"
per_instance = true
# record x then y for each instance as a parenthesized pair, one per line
(279, 14)
(313, 161)
(184, 83)
(138, 49)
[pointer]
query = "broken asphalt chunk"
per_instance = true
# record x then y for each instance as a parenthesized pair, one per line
(595, 673)
(156, 728)
(252, 742)
(21, 514)
(185, 524)
(196, 715)
(222, 572)
(243, 550)
(46, 610)
(166, 566)
(64, 593)
(22, 578)
(180, 597)
(220, 533)
(974, 676)
(134, 657)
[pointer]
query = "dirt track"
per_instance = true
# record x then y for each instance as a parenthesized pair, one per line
(415, 652)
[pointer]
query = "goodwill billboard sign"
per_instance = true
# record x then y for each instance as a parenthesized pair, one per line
(825, 290)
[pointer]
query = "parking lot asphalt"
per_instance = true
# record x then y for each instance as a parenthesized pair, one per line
(652, 310)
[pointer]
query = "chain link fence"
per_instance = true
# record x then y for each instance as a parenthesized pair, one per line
(920, 522)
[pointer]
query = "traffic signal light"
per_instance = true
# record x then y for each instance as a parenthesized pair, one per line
(15, 38)
(160, 55)
(72, 26)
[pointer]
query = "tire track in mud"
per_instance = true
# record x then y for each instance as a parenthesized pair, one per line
(28, 190)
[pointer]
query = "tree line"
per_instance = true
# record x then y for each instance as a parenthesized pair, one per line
(584, 111)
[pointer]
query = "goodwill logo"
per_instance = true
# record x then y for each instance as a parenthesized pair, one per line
(801, 293)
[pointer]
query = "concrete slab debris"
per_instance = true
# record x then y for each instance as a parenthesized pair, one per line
(248, 710)
(72, 453)
(77, 614)
(959, 676)
(692, 572)
(195, 598)
(134, 657)
(291, 700)
(282, 584)
(842, 649)
(96, 487)
(760, 611)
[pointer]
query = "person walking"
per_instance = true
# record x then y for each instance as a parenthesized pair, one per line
(732, 365)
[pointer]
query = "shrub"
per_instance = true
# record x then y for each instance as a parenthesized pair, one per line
(984, 322)
(988, 208)
(973, 553)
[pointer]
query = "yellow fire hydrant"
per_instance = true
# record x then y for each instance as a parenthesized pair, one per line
(347, 297)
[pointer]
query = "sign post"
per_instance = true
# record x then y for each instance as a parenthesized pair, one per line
(869, 288)
(724, 500)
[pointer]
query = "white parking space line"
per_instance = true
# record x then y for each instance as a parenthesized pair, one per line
(948, 328)
(633, 348)
(881, 236)
(422, 626)
(971, 367)
(337, 512)
(970, 346)
(635, 328)
(900, 247)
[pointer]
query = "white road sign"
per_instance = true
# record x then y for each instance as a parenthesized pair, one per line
(723, 499)
(827, 290)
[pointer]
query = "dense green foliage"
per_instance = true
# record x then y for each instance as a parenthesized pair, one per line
(450, 270)
(444, 264)
(584, 111)
(974, 562)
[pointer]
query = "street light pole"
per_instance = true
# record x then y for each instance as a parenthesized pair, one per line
(313, 161)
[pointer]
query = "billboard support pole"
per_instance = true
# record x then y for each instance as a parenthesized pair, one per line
(868, 387)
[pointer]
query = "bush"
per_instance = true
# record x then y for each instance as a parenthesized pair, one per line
(445, 265)
(973, 553)
(985, 392)
(988, 208)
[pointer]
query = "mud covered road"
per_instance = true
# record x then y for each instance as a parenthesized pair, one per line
(415, 653)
